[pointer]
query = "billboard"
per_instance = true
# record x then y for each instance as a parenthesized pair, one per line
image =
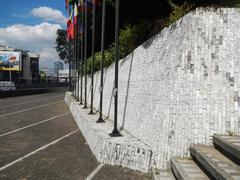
(10, 61)
(63, 73)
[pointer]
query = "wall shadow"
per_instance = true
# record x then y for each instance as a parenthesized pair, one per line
(111, 99)
(127, 92)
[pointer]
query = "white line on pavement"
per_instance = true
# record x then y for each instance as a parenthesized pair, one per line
(37, 150)
(31, 101)
(91, 176)
(31, 125)
(22, 98)
(16, 112)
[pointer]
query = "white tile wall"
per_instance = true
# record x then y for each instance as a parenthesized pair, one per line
(180, 87)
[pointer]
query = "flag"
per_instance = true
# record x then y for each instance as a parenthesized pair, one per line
(70, 31)
(81, 30)
(70, 1)
(75, 14)
(97, 2)
(70, 27)
(69, 21)
(82, 5)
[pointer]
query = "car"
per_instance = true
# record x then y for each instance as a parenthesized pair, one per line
(7, 86)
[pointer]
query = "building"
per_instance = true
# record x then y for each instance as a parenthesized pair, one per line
(57, 67)
(18, 65)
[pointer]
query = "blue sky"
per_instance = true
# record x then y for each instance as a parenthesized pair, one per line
(17, 11)
(32, 25)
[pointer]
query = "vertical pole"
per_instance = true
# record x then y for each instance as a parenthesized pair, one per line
(85, 73)
(81, 98)
(115, 132)
(78, 56)
(69, 60)
(58, 63)
(75, 57)
(10, 75)
(93, 56)
(70, 66)
(100, 119)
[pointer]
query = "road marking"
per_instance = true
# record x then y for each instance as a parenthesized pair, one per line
(16, 112)
(31, 101)
(31, 125)
(37, 150)
(25, 97)
(91, 176)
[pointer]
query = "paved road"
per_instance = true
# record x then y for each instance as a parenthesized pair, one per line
(40, 140)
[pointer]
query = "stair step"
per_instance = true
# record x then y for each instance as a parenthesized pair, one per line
(187, 169)
(229, 145)
(215, 163)
(163, 175)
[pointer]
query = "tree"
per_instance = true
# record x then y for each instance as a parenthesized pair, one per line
(62, 45)
(43, 76)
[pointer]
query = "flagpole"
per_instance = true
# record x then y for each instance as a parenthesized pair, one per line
(70, 51)
(70, 79)
(115, 132)
(81, 98)
(72, 63)
(75, 58)
(74, 52)
(85, 73)
(78, 55)
(100, 119)
(93, 56)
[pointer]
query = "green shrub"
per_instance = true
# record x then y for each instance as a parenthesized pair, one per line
(129, 38)
(108, 60)
(178, 12)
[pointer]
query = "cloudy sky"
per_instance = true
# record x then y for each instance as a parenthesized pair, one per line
(32, 25)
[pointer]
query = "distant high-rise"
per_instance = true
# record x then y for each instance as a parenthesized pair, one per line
(57, 66)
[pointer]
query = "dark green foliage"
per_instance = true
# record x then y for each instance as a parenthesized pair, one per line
(131, 36)
(108, 60)
(43, 76)
(178, 12)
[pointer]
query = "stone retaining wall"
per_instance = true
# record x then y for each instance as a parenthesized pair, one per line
(181, 86)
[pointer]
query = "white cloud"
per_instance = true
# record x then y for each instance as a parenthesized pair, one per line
(38, 38)
(48, 56)
(49, 14)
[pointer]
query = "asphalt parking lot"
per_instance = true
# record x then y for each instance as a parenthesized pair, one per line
(40, 140)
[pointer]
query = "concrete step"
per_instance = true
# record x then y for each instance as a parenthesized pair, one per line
(187, 169)
(214, 163)
(229, 145)
(162, 175)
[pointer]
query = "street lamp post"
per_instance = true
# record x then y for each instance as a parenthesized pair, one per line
(100, 119)
(93, 56)
(115, 132)
(85, 73)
